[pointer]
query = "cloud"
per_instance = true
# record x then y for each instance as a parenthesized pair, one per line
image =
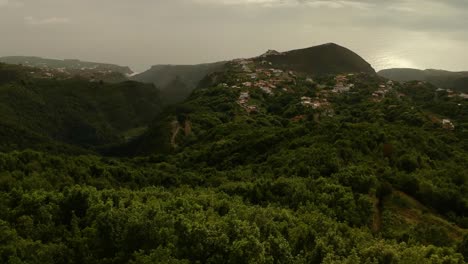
(292, 3)
(248, 2)
(46, 21)
(11, 3)
(404, 6)
(339, 4)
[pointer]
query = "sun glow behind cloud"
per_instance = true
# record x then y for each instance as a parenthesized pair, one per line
(389, 60)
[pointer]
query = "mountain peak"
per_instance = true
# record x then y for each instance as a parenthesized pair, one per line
(270, 52)
(331, 44)
(329, 58)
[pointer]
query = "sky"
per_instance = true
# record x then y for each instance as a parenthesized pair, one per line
(141, 33)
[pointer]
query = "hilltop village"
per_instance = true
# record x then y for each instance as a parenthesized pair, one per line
(251, 76)
(93, 74)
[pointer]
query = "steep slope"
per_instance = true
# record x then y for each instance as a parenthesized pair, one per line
(73, 111)
(176, 91)
(177, 81)
(457, 81)
(319, 60)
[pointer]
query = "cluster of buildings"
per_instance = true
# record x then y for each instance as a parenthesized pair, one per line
(383, 90)
(447, 124)
(92, 74)
(266, 79)
(451, 93)
(316, 103)
(243, 101)
(342, 85)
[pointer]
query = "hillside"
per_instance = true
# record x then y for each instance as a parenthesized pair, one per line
(67, 64)
(72, 68)
(457, 81)
(260, 164)
(72, 111)
(177, 81)
(288, 123)
(319, 60)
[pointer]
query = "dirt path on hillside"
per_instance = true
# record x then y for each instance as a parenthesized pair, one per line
(175, 131)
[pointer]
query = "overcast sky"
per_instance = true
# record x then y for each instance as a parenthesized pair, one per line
(140, 33)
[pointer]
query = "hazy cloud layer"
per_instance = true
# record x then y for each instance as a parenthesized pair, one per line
(139, 33)
(10, 3)
(46, 21)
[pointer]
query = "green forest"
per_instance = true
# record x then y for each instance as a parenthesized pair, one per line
(92, 172)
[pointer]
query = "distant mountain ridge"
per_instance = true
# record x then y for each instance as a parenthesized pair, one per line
(457, 81)
(68, 64)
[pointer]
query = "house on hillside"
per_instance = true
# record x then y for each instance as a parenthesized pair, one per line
(306, 101)
(253, 76)
(266, 89)
(244, 95)
(246, 69)
(342, 88)
(252, 109)
(341, 79)
(447, 124)
(247, 84)
(451, 93)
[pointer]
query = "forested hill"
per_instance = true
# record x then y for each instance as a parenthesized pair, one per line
(177, 81)
(457, 81)
(69, 64)
(66, 69)
(71, 111)
(261, 164)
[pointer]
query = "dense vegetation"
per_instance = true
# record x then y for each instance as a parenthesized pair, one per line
(457, 81)
(360, 181)
(177, 81)
(74, 111)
